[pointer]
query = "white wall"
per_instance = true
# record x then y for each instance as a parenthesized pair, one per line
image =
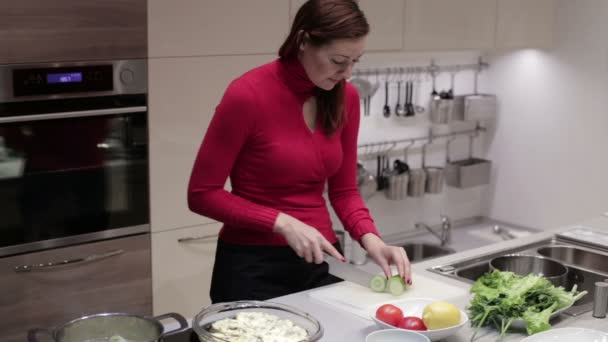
(551, 135)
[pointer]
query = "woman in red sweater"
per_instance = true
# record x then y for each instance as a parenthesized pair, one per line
(280, 132)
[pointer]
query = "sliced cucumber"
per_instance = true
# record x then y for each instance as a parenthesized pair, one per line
(378, 283)
(395, 285)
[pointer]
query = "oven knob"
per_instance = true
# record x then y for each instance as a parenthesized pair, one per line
(127, 76)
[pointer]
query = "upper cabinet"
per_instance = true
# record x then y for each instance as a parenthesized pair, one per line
(385, 19)
(449, 25)
(72, 30)
(525, 24)
(216, 27)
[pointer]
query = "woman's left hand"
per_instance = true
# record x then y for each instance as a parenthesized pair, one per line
(385, 255)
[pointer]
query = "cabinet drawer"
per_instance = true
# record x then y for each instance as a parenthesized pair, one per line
(115, 276)
(182, 262)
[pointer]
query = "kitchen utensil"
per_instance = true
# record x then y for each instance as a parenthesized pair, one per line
(523, 265)
(474, 106)
(347, 272)
(395, 335)
(434, 175)
(440, 107)
(396, 189)
(468, 172)
(503, 232)
(415, 307)
(399, 109)
(201, 323)
(416, 183)
(366, 182)
(364, 87)
(386, 111)
(101, 327)
(600, 299)
(411, 110)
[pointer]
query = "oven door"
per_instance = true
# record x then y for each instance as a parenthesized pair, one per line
(72, 176)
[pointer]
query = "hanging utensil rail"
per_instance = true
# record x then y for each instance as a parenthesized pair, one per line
(383, 147)
(431, 69)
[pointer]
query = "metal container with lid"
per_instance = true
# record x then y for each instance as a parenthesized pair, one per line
(107, 326)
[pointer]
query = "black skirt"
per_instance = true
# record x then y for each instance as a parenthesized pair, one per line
(243, 272)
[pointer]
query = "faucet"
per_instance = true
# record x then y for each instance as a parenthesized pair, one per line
(446, 230)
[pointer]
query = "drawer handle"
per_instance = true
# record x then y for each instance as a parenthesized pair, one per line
(52, 265)
(197, 238)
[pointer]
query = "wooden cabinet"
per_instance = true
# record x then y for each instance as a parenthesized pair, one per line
(183, 94)
(70, 30)
(116, 278)
(182, 270)
(385, 18)
(525, 24)
(216, 27)
(449, 25)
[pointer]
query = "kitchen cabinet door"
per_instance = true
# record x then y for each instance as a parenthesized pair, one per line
(183, 94)
(182, 270)
(449, 25)
(114, 276)
(525, 24)
(216, 27)
(71, 30)
(385, 19)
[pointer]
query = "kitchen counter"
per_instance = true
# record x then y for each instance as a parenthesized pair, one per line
(342, 326)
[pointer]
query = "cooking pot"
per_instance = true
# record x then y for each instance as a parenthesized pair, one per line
(102, 327)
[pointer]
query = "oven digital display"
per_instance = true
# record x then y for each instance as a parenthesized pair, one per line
(70, 77)
(62, 80)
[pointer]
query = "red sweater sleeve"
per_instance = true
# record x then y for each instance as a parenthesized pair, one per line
(232, 123)
(342, 187)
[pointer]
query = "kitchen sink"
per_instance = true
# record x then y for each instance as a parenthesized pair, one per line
(423, 251)
(586, 265)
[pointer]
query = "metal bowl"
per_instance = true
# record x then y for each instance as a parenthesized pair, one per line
(203, 320)
(523, 265)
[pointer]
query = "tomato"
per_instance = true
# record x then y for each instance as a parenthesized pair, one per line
(412, 323)
(389, 314)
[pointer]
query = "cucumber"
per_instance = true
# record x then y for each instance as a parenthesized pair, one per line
(395, 285)
(378, 283)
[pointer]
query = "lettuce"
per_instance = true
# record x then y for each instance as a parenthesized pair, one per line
(501, 297)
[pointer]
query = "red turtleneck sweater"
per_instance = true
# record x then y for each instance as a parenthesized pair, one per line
(259, 138)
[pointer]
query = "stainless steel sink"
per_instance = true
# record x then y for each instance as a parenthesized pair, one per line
(586, 265)
(423, 251)
(576, 256)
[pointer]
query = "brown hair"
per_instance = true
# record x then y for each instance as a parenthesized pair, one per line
(324, 21)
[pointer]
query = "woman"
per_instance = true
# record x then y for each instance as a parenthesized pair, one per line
(280, 132)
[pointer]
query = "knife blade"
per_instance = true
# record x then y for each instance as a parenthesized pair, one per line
(347, 271)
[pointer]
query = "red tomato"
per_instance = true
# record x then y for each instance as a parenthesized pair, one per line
(412, 323)
(389, 314)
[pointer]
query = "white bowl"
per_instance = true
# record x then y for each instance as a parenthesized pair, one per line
(568, 335)
(396, 335)
(415, 307)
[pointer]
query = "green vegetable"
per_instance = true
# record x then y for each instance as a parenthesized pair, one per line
(395, 285)
(501, 297)
(378, 283)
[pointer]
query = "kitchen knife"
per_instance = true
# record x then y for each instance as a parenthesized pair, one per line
(347, 271)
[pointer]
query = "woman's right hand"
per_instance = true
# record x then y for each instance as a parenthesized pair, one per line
(305, 240)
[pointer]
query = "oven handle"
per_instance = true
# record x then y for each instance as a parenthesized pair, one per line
(53, 265)
(197, 238)
(75, 114)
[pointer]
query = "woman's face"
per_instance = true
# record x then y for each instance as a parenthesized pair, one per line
(328, 64)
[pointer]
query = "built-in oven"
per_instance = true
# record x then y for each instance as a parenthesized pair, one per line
(73, 153)
(74, 208)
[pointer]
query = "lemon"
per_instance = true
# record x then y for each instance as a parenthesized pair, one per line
(439, 315)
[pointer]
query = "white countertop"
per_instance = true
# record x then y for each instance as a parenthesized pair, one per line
(341, 326)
